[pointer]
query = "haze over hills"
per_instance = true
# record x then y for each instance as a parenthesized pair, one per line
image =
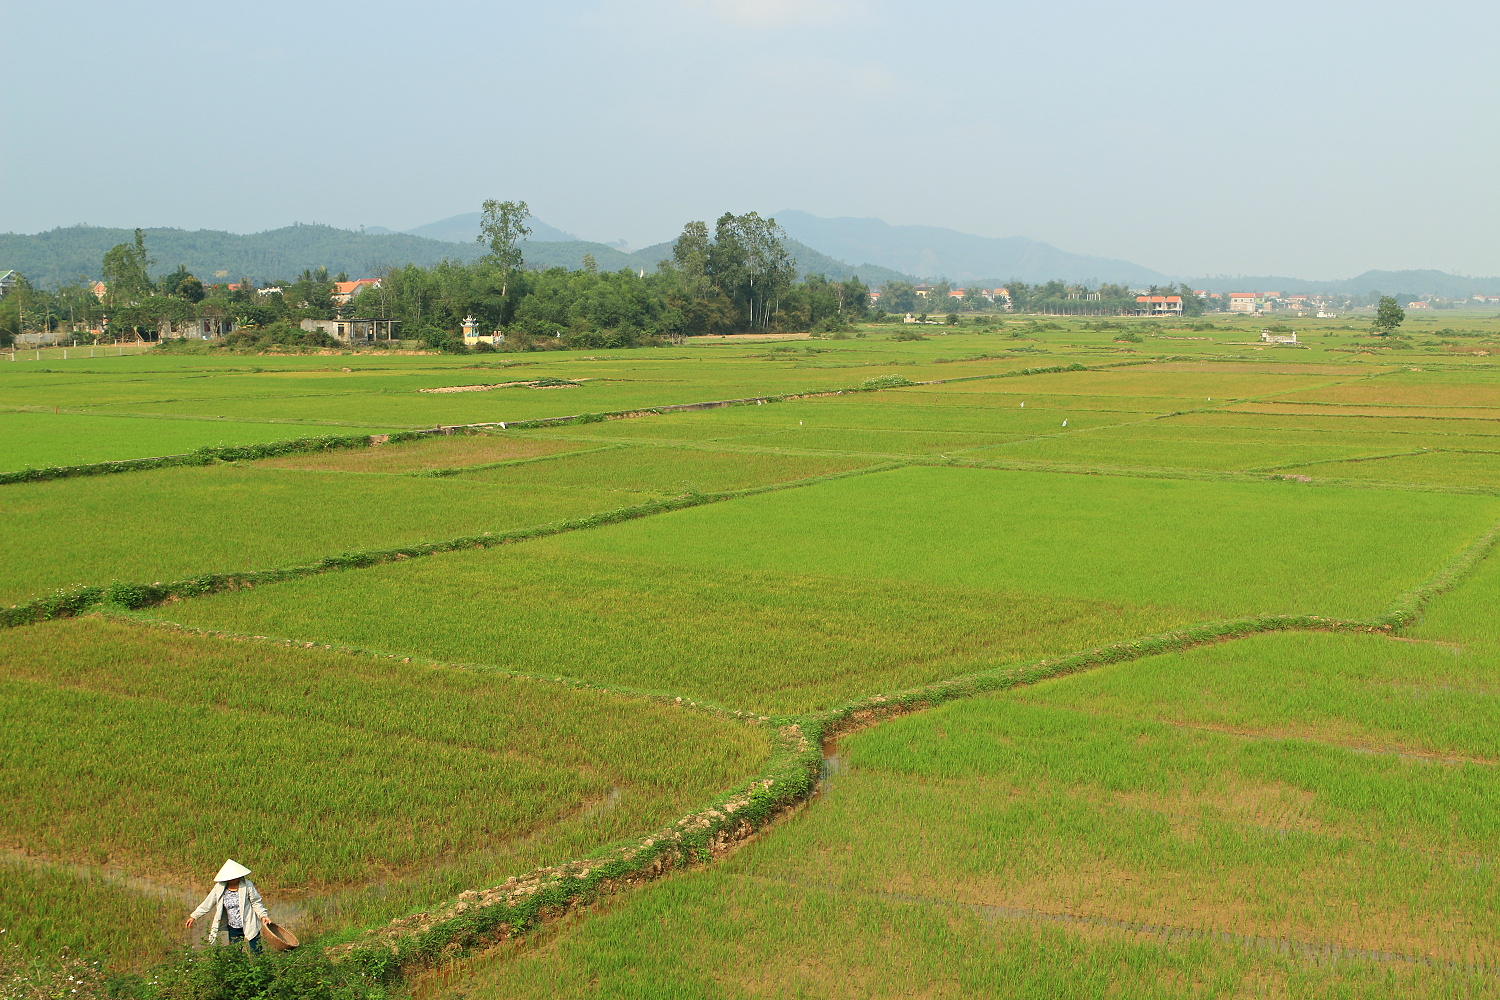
(933, 252)
(74, 252)
(820, 245)
(465, 229)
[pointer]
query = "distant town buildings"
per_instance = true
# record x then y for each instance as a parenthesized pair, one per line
(1159, 305)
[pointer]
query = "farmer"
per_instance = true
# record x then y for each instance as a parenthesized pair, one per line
(235, 900)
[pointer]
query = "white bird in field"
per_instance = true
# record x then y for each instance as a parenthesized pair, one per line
(1065, 423)
(1023, 404)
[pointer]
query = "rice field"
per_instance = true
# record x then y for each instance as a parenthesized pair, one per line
(342, 771)
(34, 440)
(795, 600)
(1059, 840)
(1289, 814)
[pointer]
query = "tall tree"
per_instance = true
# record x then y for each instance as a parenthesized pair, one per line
(749, 262)
(502, 224)
(1388, 316)
(127, 271)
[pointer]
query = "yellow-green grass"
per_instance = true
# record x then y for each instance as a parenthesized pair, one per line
(1465, 414)
(1316, 420)
(649, 471)
(1160, 444)
(762, 640)
(996, 848)
(1435, 467)
(1033, 806)
(1291, 366)
(879, 423)
(1425, 390)
(42, 440)
(1134, 381)
(729, 934)
(169, 524)
(1468, 614)
(46, 910)
(803, 598)
(394, 400)
(424, 455)
(1009, 394)
(398, 784)
(1216, 549)
(1366, 692)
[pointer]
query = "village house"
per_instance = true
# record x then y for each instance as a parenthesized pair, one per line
(1244, 302)
(354, 331)
(8, 280)
(344, 291)
(1158, 305)
(923, 291)
(208, 326)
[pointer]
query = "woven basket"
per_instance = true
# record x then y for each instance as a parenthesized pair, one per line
(278, 937)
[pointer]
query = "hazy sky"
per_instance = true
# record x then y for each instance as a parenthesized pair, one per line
(1315, 139)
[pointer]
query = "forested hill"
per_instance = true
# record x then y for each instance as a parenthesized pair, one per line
(62, 255)
(67, 254)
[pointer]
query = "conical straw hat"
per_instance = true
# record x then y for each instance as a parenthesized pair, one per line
(231, 869)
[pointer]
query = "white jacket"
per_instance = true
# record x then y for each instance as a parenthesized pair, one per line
(251, 909)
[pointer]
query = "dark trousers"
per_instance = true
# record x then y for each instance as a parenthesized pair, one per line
(237, 934)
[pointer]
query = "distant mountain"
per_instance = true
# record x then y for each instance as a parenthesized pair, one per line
(569, 254)
(62, 255)
(465, 229)
(945, 253)
(78, 251)
(1420, 283)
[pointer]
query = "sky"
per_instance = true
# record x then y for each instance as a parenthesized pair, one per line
(1315, 139)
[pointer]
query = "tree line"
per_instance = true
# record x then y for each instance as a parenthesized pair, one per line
(736, 278)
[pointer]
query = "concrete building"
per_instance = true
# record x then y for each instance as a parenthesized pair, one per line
(1158, 305)
(356, 330)
(1244, 302)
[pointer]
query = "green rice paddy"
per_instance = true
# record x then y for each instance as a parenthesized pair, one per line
(1287, 814)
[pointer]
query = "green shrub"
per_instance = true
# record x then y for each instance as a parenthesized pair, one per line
(886, 382)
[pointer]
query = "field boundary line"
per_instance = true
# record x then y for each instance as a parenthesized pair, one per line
(1408, 608)
(216, 453)
(482, 917)
(232, 453)
(68, 603)
(1195, 475)
(139, 619)
(456, 470)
